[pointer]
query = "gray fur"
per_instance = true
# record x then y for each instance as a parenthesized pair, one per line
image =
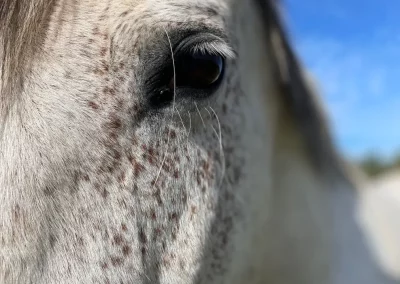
(96, 187)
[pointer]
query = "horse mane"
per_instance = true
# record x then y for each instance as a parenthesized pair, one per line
(299, 93)
(22, 26)
(22, 30)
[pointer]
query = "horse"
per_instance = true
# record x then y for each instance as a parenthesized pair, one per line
(174, 141)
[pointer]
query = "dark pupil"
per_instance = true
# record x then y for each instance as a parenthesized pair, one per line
(197, 70)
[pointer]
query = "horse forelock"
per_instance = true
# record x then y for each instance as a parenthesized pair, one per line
(22, 24)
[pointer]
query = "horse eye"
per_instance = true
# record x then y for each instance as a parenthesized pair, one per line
(196, 73)
(198, 70)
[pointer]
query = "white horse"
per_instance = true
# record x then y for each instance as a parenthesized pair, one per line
(166, 141)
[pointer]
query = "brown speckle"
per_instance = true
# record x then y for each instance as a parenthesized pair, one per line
(153, 214)
(157, 195)
(116, 155)
(48, 191)
(52, 241)
(80, 241)
(142, 236)
(124, 227)
(156, 233)
(126, 250)
(121, 177)
(93, 105)
(115, 123)
(118, 240)
(67, 75)
(109, 91)
(103, 51)
(173, 216)
(98, 71)
(138, 168)
(116, 261)
(96, 31)
(16, 213)
(104, 266)
(104, 193)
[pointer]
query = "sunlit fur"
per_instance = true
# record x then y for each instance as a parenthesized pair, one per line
(379, 204)
(244, 187)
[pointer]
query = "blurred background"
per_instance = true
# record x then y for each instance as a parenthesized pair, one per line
(353, 50)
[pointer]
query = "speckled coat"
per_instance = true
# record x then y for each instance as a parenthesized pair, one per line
(98, 187)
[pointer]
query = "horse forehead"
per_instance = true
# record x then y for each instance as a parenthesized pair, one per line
(189, 4)
(136, 16)
(172, 8)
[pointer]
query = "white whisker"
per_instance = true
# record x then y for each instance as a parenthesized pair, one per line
(190, 124)
(180, 117)
(3, 123)
(198, 111)
(173, 106)
(212, 126)
(173, 66)
(219, 137)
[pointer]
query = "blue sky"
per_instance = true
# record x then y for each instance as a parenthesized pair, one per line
(353, 48)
